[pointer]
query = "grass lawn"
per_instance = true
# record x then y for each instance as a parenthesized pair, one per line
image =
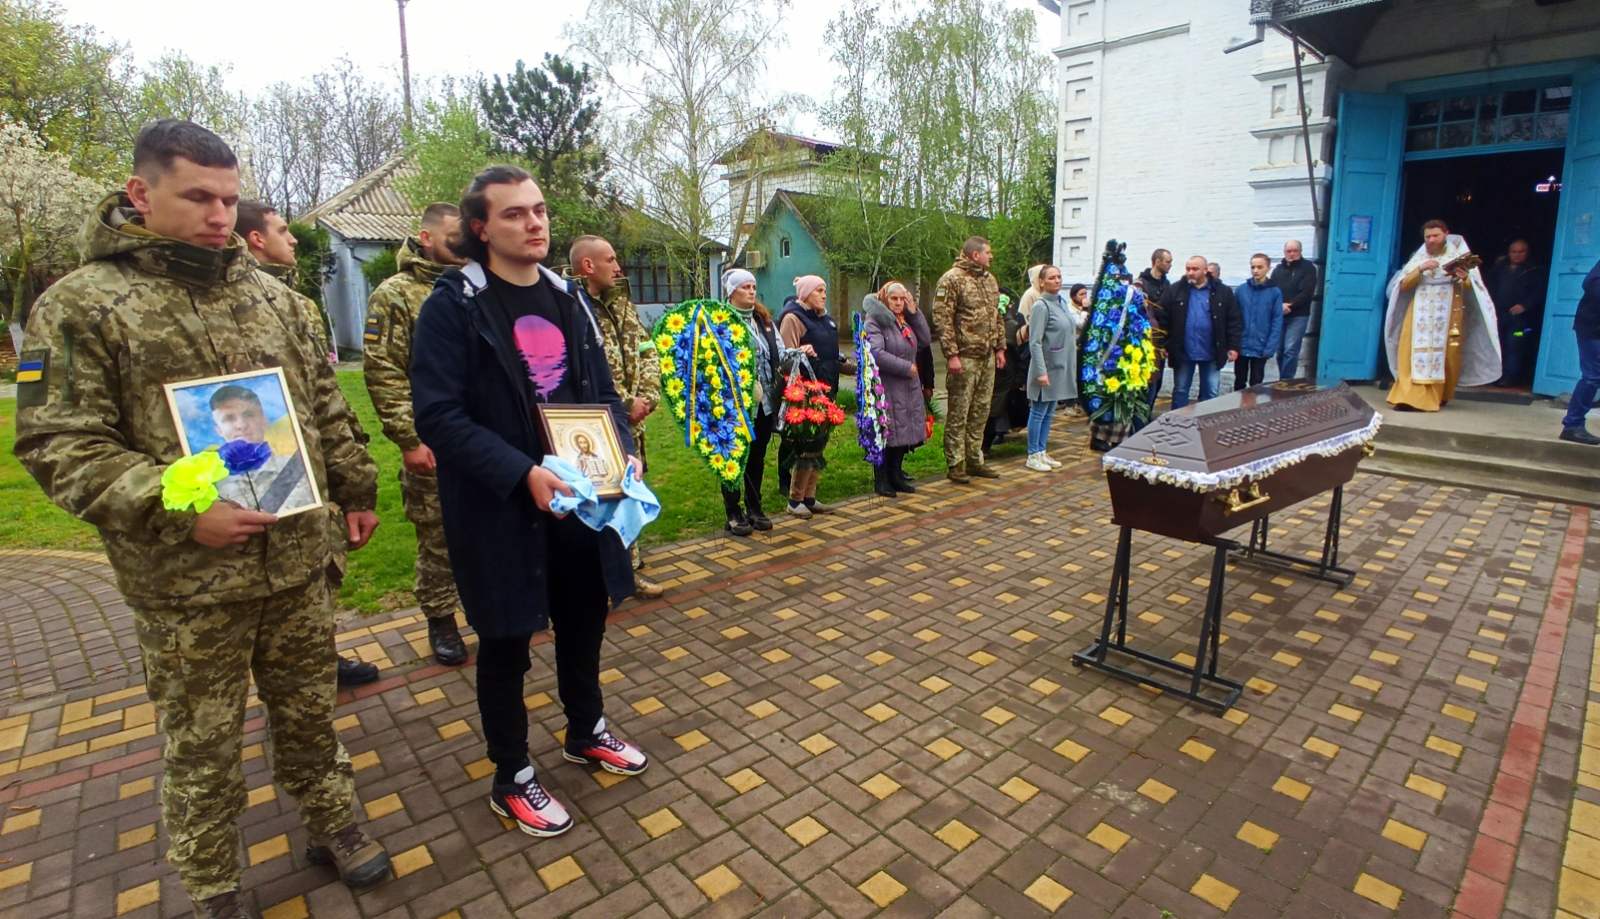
(381, 574)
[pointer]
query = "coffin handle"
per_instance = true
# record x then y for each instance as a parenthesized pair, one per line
(1252, 496)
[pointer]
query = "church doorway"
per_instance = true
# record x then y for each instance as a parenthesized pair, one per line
(1491, 199)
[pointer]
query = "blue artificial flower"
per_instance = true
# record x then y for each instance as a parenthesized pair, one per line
(1091, 345)
(243, 457)
(1094, 403)
(1088, 373)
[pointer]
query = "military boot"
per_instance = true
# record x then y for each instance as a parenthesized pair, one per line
(981, 470)
(958, 474)
(360, 859)
(646, 589)
(355, 673)
(223, 906)
(444, 637)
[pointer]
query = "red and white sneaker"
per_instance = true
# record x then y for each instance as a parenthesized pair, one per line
(526, 802)
(606, 750)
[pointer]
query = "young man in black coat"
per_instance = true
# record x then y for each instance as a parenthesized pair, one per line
(497, 337)
(1203, 326)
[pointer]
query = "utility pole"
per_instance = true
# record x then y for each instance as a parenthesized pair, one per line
(405, 61)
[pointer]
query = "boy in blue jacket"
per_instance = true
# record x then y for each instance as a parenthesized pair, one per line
(1261, 306)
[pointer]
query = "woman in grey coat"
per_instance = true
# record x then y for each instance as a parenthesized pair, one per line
(895, 330)
(1053, 365)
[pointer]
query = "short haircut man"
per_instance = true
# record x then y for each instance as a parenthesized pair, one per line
(973, 246)
(163, 141)
(252, 217)
(1159, 256)
(434, 214)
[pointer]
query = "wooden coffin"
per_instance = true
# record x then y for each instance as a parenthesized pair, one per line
(1196, 472)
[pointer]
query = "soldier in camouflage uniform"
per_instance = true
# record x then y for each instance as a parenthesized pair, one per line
(966, 321)
(167, 294)
(267, 236)
(597, 280)
(386, 341)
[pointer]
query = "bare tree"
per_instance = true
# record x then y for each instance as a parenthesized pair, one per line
(366, 119)
(683, 74)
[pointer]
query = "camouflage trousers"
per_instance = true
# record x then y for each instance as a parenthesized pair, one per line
(970, 393)
(436, 583)
(198, 661)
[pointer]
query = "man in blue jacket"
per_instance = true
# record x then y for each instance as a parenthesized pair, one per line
(498, 337)
(1587, 326)
(1201, 319)
(1261, 311)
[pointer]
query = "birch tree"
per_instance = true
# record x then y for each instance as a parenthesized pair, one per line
(43, 205)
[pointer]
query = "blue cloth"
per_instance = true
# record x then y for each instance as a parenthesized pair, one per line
(1197, 345)
(1294, 331)
(1183, 374)
(1041, 412)
(1583, 394)
(1261, 308)
(636, 509)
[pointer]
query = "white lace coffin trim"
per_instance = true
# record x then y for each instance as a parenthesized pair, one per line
(1238, 475)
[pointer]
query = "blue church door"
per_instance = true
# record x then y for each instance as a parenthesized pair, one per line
(1577, 242)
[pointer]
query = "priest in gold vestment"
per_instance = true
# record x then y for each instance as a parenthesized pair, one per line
(1439, 330)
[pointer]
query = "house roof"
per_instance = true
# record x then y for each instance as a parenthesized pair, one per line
(371, 207)
(778, 138)
(809, 210)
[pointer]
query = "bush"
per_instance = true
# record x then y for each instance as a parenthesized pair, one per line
(379, 268)
(313, 257)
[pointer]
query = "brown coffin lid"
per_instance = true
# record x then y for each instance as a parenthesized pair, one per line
(1245, 427)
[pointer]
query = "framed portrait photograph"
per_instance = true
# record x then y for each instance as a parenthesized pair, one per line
(586, 436)
(249, 419)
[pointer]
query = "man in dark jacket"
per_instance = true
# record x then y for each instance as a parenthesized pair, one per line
(1203, 328)
(1153, 281)
(1297, 278)
(1517, 287)
(1587, 326)
(497, 338)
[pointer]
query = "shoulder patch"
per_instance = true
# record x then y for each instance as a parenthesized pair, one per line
(374, 329)
(939, 291)
(33, 377)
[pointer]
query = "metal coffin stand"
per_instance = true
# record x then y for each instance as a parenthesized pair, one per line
(1184, 514)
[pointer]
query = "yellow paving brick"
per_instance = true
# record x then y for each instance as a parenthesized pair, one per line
(824, 682)
(1582, 852)
(1108, 837)
(674, 653)
(384, 806)
(1287, 659)
(1291, 788)
(56, 755)
(715, 678)
(1384, 657)
(935, 684)
(136, 787)
(1426, 786)
(1218, 893)
(537, 700)
(998, 715)
(454, 729)
(762, 709)
(1071, 749)
(880, 786)
(1484, 657)
(1440, 745)
(649, 705)
(660, 823)
(1019, 789)
(1345, 712)
(268, 849)
(1321, 747)
(1044, 687)
(745, 779)
(1264, 687)
(428, 696)
(982, 658)
(560, 873)
(133, 898)
(956, 835)
(1586, 818)
(77, 711)
(830, 634)
(1366, 682)
(1257, 835)
(478, 769)
(1048, 893)
(1157, 791)
(294, 908)
(776, 656)
(1580, 893)
(734, 631)
(122, 737)
(137, 836)
(806, 830)
(1378, 891)
(1459, 713)
(944, 748)
(1116, 716)
(817, 744)
(882, 889)
(25, 820)
(1404, 834)
(879, 712)
(260, 794)
(1196, 750)
(718, 882)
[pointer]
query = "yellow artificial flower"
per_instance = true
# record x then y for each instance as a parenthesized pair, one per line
(1113, 384)
(666, 365)
(717, 411)
(191, 482)
(663, 342)
(720, 317)
(742, 355)
(674, 387)
(745, 378)
(676, 323)
(678, 410)
(736, 334)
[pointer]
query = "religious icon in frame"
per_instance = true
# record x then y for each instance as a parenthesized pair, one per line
(586, 436)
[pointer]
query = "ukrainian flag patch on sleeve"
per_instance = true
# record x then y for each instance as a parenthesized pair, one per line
(32, 375)
(374, 328)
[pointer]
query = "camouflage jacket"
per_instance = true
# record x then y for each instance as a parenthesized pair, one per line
(287, 275)
(966, 315)
(96, 430)
(630, 353)
(386, 340)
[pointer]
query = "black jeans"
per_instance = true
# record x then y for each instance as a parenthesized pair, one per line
(1248, 371)
(578, 608)
(754, 468)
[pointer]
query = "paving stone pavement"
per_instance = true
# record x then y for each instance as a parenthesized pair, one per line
(876, 711)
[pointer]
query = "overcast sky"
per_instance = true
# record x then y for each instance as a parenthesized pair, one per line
(290, 39)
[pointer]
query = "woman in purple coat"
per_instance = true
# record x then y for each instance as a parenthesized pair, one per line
(895, 331)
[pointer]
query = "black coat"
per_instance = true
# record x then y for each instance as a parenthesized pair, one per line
(1511, 284)
(1586, 322)
(1298, 281)
(474, 408)
(1227, 324)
